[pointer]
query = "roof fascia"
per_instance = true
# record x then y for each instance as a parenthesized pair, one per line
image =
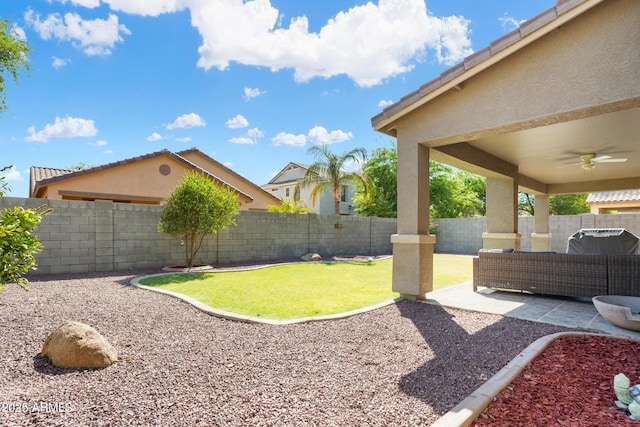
(499, 49)
(251, 183)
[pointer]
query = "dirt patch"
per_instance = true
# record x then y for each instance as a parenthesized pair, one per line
(569, 384)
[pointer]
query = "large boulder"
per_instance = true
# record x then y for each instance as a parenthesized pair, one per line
(311, 257)
(76, 345)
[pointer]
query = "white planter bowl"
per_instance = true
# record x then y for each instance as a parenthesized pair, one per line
(619, 310)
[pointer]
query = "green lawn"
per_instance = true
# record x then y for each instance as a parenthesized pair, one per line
(301, 290)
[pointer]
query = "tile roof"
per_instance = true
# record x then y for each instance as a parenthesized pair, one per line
(498, 46)
(251, 183)
(38, 174)
(44, 176)
(613, 196)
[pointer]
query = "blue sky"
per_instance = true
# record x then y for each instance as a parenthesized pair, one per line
(252, 83)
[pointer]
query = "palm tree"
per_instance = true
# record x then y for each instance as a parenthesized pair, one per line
(328, 172)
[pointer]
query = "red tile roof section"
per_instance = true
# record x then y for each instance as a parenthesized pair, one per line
(613, 196)
(47, 176)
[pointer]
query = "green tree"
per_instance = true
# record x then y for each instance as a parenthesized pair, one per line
(381, 171)
(80, 167)
(568, 204)
(328, 172)
(526, 204)
(455, 193)
(14, 52)
(18, 244)
(195, 209)
(287, 207)
(560, 204)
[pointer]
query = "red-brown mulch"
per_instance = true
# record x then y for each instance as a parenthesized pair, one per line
(569, 384)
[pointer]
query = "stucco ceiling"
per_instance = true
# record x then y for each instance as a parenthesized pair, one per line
(551, 154)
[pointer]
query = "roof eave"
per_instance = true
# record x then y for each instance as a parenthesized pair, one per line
(454, 77)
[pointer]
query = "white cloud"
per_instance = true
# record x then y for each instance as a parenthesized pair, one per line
(320, 135)
(99, 143)
(18, 33)
(250, 138)
(384, 103)
(252, 93)
(12, 174)
(255, 133)
(68, 127)
(289, 139)
(85, 3)
(237, 122)
(351, 166)
(368, 43)
(228, 164)
(509, 23)
(155, 136)
(91, 4)
(147, 7)
(453, 44)
(185, 139)
(58, 63)
(94, 37)
(243, 140)
(186, 121)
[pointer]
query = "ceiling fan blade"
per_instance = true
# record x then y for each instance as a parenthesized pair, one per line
(601, 158)
(610, 160)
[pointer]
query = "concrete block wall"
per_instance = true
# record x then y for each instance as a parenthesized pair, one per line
(464, 235)
(459, 235)
(81, 237)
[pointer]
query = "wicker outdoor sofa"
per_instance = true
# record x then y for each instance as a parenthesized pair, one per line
(574, 275)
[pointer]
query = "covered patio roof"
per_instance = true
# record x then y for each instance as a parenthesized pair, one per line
(550, 108)
(563, 85)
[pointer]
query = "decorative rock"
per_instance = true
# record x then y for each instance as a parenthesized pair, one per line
(76, 345)
(311, 257)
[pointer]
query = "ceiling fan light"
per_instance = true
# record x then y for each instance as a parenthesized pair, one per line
(587, 166)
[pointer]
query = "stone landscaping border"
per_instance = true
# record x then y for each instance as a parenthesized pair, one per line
(252, 319)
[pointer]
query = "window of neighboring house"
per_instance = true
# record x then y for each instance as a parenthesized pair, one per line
(286, 192)
(274, 189)
(343, 193)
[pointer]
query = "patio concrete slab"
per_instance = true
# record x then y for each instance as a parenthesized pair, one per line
(562, 311)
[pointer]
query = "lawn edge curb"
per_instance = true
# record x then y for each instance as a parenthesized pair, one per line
(251, 319)
(464, 413)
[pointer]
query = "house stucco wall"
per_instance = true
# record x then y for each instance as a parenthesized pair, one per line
(261, 198)
(80, 236)
(324, 204)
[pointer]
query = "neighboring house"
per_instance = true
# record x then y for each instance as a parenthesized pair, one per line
(623, 201)
(283, 186)
(146, 179)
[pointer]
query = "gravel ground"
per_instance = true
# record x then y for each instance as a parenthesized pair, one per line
(405, 364)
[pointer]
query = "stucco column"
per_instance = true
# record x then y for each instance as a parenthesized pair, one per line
(541, 238)
(413, 245)
(502, 215)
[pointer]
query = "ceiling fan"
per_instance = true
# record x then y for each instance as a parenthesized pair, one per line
(588, 161)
